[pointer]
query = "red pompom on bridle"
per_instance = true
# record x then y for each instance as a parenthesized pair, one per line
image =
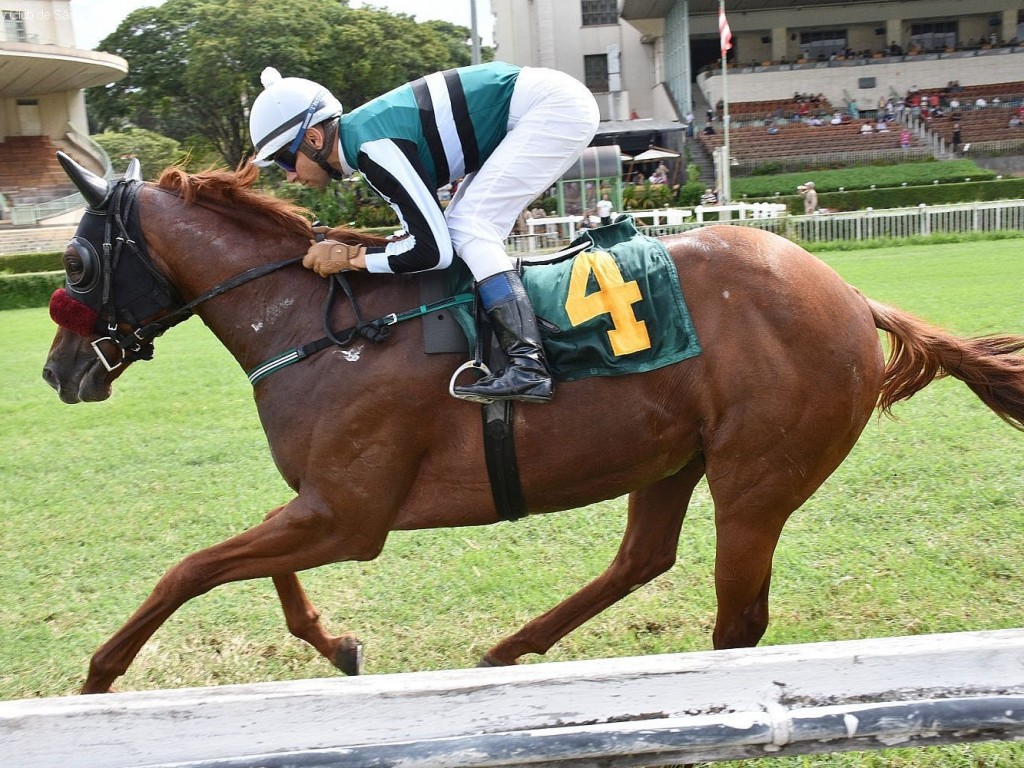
(73, 315)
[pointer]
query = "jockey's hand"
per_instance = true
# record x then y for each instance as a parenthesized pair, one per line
(329, 256)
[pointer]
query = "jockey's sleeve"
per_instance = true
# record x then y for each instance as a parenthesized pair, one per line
(394, 171)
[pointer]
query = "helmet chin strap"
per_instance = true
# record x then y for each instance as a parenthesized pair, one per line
(319, 156)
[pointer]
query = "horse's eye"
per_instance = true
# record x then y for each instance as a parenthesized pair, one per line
(73, 264)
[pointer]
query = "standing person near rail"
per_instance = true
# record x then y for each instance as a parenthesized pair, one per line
(511, 132)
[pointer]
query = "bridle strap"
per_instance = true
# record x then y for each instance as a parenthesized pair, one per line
(155, 328)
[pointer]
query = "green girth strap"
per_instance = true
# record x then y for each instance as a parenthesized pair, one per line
(296, 354)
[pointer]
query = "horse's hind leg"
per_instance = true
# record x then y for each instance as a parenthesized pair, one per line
(648, 549)
(754, 495)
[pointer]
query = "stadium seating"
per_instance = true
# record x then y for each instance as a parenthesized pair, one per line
(29, 171)
(750, 142)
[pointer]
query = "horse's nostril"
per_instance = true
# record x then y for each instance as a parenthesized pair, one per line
(50, 377)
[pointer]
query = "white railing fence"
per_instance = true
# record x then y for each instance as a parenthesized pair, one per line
(896, 223)
(642, 711)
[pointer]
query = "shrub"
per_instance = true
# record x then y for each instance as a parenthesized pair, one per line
(15, 263)
(29, 291)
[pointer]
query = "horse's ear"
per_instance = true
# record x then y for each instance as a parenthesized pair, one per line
(134, 172)
(94, 189)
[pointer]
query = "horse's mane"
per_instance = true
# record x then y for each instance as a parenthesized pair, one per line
(235, 188)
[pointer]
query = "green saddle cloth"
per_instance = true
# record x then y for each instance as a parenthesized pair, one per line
(613, 309)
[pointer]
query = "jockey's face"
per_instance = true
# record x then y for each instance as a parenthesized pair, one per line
(306, 171)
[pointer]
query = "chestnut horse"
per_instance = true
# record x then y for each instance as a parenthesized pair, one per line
(792, 368)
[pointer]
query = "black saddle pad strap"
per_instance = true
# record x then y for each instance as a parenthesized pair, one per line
(502, 465)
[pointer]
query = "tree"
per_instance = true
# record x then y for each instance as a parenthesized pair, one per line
(194, 65)
(154, 151)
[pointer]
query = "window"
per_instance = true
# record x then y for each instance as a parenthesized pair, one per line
(595, 72)
(933, 35)
(14, 26)
(600, 12)
(822, 44)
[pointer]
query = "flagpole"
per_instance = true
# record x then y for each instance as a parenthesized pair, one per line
(725, 34)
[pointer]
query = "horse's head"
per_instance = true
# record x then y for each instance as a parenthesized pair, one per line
(112, 295)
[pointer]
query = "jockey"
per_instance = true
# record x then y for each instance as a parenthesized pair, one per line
(508, 133)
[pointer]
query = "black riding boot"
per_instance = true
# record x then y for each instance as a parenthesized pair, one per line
(515, 326)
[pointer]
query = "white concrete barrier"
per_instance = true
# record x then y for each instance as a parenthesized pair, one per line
(642, 711)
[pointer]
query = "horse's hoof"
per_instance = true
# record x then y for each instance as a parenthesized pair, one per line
(349, 656)
(488, 662)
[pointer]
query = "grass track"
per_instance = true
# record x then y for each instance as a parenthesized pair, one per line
(921, 530)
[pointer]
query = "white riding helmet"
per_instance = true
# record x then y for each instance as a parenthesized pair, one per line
(284, 110)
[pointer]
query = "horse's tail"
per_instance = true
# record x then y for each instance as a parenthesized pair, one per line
(920, 353)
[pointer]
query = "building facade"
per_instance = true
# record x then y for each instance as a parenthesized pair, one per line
(42, 73)
(658, 60)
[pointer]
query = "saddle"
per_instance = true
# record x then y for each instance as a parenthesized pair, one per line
(610, 304)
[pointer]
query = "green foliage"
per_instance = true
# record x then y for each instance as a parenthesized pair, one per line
(911, 174)
(646, 196)
(154, 151)
(194, 65)
(940, 238)
(29, 290)
(690, 192)
(931, 194)
(40, 261)
(349, 202)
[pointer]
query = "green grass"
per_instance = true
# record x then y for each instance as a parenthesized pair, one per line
(866, 177)
(921, 530)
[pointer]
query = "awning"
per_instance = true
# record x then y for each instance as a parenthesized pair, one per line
(29, 70)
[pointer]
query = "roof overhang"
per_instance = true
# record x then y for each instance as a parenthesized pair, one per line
(637, 126)
(28, 70)
(633, 10)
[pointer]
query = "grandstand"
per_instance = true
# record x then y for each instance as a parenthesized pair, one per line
(754, 143)
(30, 171)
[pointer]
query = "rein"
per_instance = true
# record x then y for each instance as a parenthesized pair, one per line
(136, 343)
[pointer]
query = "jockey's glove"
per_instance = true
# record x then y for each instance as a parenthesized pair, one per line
(329, 256)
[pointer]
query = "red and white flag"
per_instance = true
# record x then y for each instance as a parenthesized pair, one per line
(723, 29)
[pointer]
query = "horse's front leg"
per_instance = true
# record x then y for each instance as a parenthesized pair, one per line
(294, 538)
(303, 619)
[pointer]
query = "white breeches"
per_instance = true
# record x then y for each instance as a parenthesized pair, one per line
(551, 120)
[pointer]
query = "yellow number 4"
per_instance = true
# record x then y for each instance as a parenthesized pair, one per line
(614, 297)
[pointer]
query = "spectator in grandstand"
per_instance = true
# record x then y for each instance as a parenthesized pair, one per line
(1014, 121)
(837, 118)
(904, 138)
(660, 175)
(956, 135)
(954, 103)
(810, 196)
(980, 102)
(880, 125)
(866, 129)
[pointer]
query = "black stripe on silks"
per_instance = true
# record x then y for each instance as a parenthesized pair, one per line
(426, 253)
(428, 122)
(463, 123)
